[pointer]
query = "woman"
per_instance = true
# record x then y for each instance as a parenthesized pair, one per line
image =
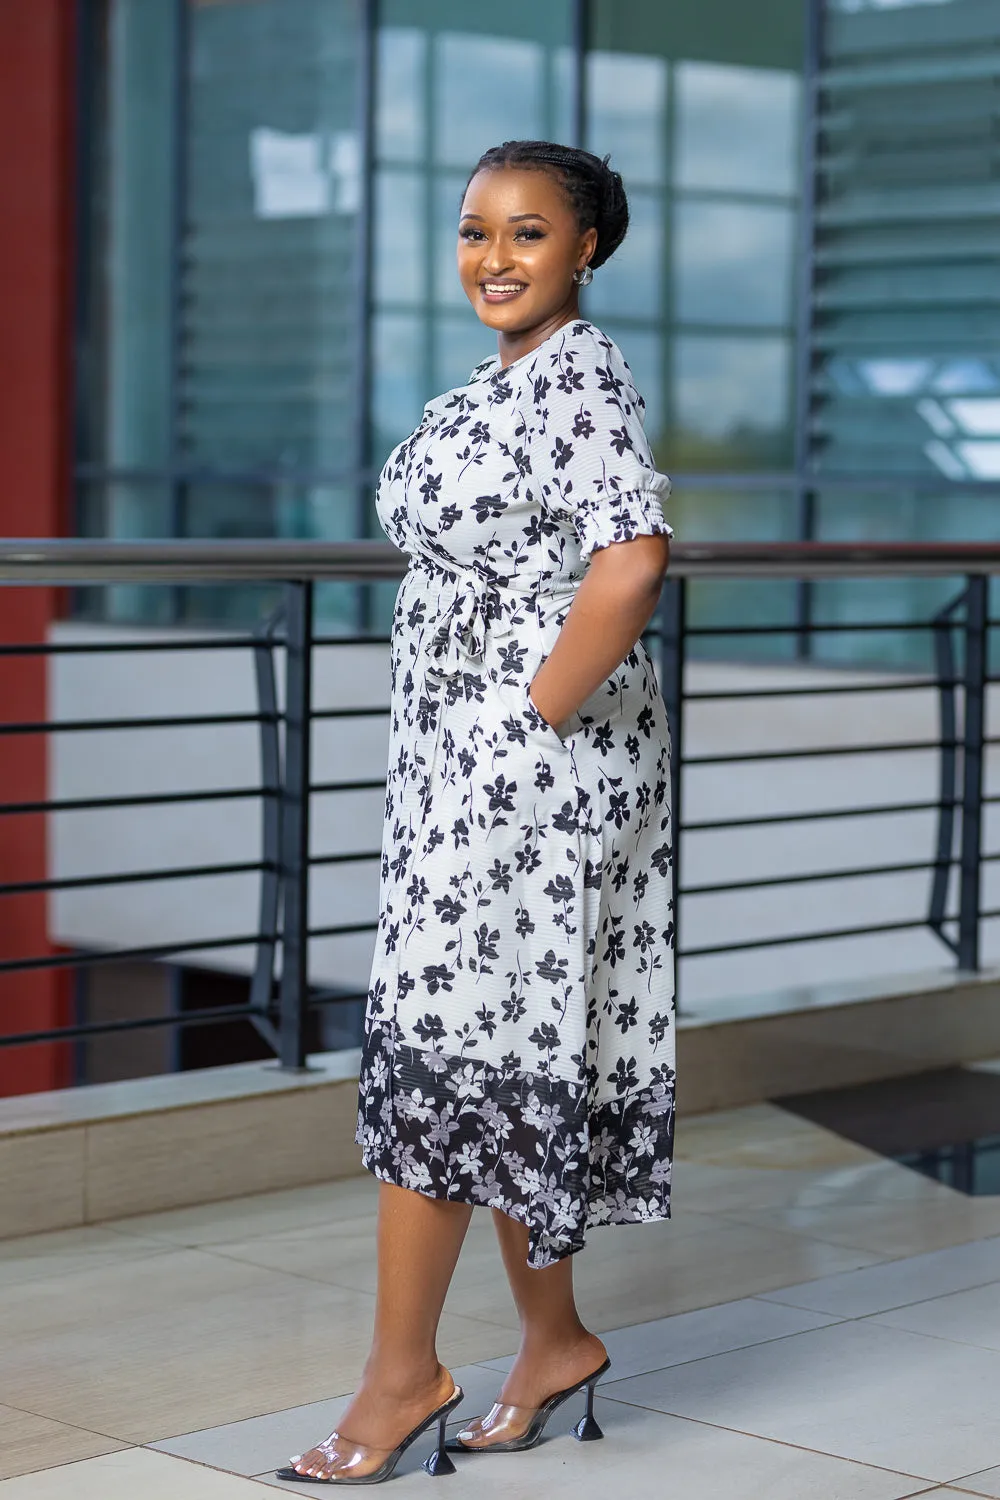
(519, 1034)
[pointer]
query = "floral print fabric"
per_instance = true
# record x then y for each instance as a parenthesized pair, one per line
(519, 1038)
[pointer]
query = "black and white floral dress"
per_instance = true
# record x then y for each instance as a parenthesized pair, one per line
(519, 1040)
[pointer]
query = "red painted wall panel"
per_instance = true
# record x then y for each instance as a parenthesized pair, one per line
(37, 111)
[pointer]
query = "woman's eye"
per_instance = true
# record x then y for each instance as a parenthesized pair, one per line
(471, 234)
(529, 234)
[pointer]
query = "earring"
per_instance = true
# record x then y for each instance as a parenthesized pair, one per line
(584, 277)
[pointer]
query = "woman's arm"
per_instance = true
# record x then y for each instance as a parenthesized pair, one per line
(612, 607)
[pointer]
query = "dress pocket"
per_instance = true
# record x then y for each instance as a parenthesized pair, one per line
(538, 723)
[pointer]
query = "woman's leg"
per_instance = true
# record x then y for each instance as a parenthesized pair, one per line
(419, 1240)
(556, 1349)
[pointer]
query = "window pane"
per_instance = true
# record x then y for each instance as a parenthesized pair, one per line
(631, 283)
(460, 345)
(733, 263)
(401, 98)
(737, 128)
(627, 108)
(731, 402)
(400, 379)
(399, 273)
(486, 90)
(448, 197)
(129, 356)
(273, 194)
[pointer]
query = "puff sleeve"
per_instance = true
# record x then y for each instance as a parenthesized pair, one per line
(589, 451)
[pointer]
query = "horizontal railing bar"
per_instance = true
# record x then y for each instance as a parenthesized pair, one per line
(801, 754)
(140, 1023)
(343, 859)
(350, 713)
(263, 478)
(344, 930)
(753, 481)
(323, 788)
(328, 997)
(808, 627)
(768, 819)
(122, 648)
(861, 872)
(139, 799)
(805, 937)
(741, 694)
(178, 721)
(80, 561)
(134, 877)
(122, 955)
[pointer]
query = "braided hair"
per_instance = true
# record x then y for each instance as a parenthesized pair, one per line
(595, 192)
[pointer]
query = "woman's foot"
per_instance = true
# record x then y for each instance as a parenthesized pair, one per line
(384, 1410)
(538, 1373)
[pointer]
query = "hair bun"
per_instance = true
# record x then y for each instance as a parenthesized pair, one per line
(613, 216)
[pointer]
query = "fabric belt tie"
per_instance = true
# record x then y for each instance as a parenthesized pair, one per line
(459, 631)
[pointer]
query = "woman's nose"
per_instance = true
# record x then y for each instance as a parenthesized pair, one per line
(496, 260)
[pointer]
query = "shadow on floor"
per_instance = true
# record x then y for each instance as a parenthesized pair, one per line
(945, 1124)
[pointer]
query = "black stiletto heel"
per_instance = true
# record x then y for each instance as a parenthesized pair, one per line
(587, 1429)
(438, 1462)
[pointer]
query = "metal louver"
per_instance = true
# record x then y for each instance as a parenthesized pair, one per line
(906, 304)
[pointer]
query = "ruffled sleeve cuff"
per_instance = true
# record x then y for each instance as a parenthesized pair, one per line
(621, 518)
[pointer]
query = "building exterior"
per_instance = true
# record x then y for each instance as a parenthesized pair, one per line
(229, 289)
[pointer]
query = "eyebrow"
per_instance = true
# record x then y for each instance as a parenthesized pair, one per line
(514, 218)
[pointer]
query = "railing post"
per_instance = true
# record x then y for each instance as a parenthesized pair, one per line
(672, 673)
(295, 825)
(973, 732)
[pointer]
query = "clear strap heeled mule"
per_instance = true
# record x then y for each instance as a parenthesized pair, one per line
(511, 1429)
(360, 1463)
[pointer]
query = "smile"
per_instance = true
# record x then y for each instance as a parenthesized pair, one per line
(502, 291)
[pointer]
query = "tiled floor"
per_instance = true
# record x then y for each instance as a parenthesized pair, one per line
(815, 1324)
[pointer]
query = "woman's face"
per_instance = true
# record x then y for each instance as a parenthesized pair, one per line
(519, 243)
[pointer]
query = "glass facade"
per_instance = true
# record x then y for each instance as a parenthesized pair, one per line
(269, 296)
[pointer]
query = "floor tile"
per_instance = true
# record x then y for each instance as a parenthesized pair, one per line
(264, 1443)
(880, 1288)
(344, 1257)
(985, 1483)
(651, 1275)
(903, 1228)
(872, 1394)
(971, 1317)
(188, 1339)
(28, 1443)
(261, 1214)
(129, 1475)
(718, 1189)
(67, 1251)
(645, 1456)
(763, 1136)
(697, 1335)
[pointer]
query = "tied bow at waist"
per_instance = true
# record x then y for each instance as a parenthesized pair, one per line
(471, 608)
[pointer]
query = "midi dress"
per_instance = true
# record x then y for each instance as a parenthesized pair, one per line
(519, 1032)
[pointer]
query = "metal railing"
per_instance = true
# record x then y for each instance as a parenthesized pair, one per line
(280, 1006)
